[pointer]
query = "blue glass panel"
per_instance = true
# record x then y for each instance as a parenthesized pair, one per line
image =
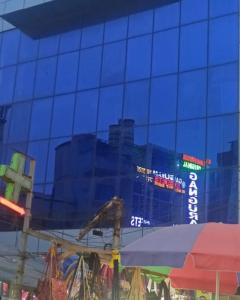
(136, 102)
(86, 112)
(191, 138)
(19, 125)
(67, 72)
(45, 77)
(163, 99)
(89, 68)
(113, 63)
(39, 150)
(167, 16)
(218, 8)
(49, 46)
(28, 48)
(223, 45)
(223, 89)
(41, 118)
(139, 57)
(163, 136)
(25, 81)
(110, 106)
(7, 80)
(192, 94)
(193, 46)
(165, 52)
(9, 47)
(140, 23)
(116, 30)
(92, 36)
(222, 147)
(62, 121)
(194, 10)
(70, 41)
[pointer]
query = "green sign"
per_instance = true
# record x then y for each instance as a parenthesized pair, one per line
(191, 166)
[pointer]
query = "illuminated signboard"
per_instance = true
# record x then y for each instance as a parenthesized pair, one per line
(193, 199)
(12, 206)
(193, 163)
(139, 222)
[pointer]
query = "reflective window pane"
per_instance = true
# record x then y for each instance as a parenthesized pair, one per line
(218, 8)
(163, 99)
(92, 36)
(48, 46)
(28, 48)
(194, 10)
(7, 79)
(192, 94)
(193, 46)
(163, 136)
(116, 30)
(67, 72)
(165, 52)
(139, 57)
(223, 40)
(140, 23)
(70, 41)
(62, 122)
(223, 89)
(9, 47)
(167, 16)
(113, 63)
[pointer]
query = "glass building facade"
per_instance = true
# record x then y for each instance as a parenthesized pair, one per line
(144, 106)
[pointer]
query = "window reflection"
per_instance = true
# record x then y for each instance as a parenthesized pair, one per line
(9, 47)
(162, 20)
(116, 29)
(218, 8)
(7, 77)
(28, 48)
(70, 41)
(140, 23)
(194, 10)
(92, 36)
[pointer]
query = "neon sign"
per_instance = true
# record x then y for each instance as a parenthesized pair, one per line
(193, 199)
(193, 163)
(12, 206)
(138, 222)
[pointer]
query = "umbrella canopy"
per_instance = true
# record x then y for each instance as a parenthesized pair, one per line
(212, 246)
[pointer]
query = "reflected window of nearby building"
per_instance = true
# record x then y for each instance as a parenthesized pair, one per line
(194, 10)
(166, 16)
(70, 41)
(139, 57)
(218, 8)
(193, 49)
(165, 52)
(41, 118)
(62, 120)
(49, 46)
(7, 79)
(140, 23)
(163, 99)
(113, 63)
(28, 48)
(116, 29)
(223, 39)
(163, 136)
(223, 89)
(137, 102)
(86, 112)
(92, 36)
(192, 94)
(9, 47)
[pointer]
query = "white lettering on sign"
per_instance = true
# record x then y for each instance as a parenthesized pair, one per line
(138, 222)
(193, 199)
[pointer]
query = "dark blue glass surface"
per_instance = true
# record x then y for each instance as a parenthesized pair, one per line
(162, 19)
(7, 79)
(114, 56)
(70, 41)
(218, 8)
(28, 48)
(223, 40)
(140, 23)
(116, 30)
(25, 81)
(49, 46)
(9, 47)
(163, 136)
(165, 52)
(67, 72)
(223, 89)
(163, 103)
(92, 36)
(192, 94)
(194, 10)
(193, 51)
(139, 57)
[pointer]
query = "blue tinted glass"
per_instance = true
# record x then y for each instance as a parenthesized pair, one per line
(48, 46)
(222, 146)
(218, 8)
(110, 106)
(140, 23)
(223, 45)
(223, 89)
(39, 150)
(191, 138)
(163, 136)
(193, 46)
(86, 112)
(163, 99)
(28, 48)
(92, 36)
(140, 136)
(67, 72)
(113, 63)
(70, 41)
(19, 125)
(89, 68)
(167, 16)
(139, 57)
(192, 94)
(194, 10)
(25, 81)
(45, 77)
(40, 120)
(165, 52)
(116, 30)
(62, 121)
(136, 102)
(7, 79)
(9, 47)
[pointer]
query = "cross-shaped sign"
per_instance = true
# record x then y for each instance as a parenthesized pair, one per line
(15, 178)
